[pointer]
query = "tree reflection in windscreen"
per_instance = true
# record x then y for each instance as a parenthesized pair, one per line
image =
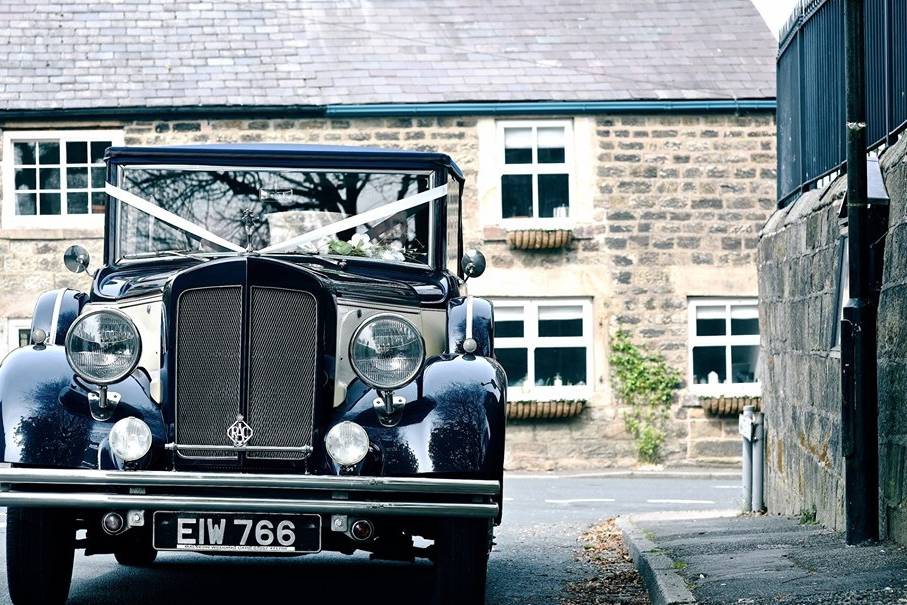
(287, 203)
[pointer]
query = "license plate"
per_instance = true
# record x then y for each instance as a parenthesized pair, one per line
(237, 532)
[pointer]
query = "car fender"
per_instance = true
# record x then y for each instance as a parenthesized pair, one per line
(55, 311)
(46, 420)
(470, 314)
(452, 424)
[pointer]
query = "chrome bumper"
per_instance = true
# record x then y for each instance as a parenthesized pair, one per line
(163, 490)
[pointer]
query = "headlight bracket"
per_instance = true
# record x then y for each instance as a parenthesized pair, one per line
(103, 403)
(389, 408)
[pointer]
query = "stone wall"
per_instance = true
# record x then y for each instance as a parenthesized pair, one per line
(799, 269)
(892, 352)
(667, 207)
(801, 389)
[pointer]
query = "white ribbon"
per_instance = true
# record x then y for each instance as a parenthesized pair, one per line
(375, 214)
(169, 218)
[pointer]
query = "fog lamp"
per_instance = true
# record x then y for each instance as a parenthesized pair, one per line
(130, 439)
(347, 443)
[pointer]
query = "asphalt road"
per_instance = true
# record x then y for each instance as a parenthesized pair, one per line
(531, 563)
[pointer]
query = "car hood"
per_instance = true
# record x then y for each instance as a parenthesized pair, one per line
(351, 279)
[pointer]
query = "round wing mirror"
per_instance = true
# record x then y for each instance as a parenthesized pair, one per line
(473, 263)
(76, 259)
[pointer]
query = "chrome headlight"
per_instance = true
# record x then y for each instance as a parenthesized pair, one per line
(130, 439)
(387, 352)
(346, 443)
(103, 346)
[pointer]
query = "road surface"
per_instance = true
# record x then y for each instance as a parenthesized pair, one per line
(531, 563)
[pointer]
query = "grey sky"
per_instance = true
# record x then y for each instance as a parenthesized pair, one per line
(775, 12)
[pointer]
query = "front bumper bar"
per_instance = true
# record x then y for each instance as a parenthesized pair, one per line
(236, 492)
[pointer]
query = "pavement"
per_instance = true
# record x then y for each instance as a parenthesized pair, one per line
(720, 557)
(533, 560)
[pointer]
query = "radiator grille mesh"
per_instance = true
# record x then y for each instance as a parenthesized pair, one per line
(208, 368)
(282, 354)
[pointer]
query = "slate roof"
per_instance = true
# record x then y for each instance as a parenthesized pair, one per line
(161, 53)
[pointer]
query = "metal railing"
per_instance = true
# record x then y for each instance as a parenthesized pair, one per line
(811, 112)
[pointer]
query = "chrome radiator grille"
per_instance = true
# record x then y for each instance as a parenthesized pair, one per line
(276, 395)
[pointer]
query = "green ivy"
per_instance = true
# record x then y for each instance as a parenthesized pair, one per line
(645, 384)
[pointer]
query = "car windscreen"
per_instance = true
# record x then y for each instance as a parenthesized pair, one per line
(273, 210)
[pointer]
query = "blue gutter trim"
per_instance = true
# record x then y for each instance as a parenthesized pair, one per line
(542, 108)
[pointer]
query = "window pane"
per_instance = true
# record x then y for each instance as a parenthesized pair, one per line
(50, 178)
(25, 178)
(77, 202)
(709, 365)
(49, 152)
(551, 145)
(97, 151)
(508, 329)
(744, 320)
(50, 203)
(711, 320)
(508, 322)
(554, 195)
(98, 178)
(517, 145)
(24, 336)
(77, 152)
(560, 366)
(24, 153)
(566, 320)
(744, 361)
(98, 203)
(77, 178)
(26, 204)
(515, 363)
(516, 195)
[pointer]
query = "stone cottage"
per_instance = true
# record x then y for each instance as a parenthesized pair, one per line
(619, 160)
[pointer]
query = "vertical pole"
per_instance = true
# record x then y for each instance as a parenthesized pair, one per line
(861, 471)
(747, 463)
(758, 457)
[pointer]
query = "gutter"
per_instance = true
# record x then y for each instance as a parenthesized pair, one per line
(214, 112)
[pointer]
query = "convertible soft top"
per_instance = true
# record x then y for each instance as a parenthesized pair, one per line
(283, 154)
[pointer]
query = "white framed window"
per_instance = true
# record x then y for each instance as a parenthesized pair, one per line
(18, 333)
(545, 345)
(536, 171)
(724, 346)
(55, 178)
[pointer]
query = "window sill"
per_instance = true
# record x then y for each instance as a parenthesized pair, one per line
(52, 233)
(719, 391)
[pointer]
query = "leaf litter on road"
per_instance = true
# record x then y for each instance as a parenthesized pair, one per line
(612, 578)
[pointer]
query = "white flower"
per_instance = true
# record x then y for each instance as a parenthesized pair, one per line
(361, 242)
(310, 248)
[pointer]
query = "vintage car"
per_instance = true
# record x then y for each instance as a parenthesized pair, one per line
(277, 357)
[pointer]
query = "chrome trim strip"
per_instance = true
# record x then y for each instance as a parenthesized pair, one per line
(271, 505)
(54, 322)
(413, 485)
(239, 448)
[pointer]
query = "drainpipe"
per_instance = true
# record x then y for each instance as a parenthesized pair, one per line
(859, 413)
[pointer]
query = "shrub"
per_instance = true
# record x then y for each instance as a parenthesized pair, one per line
(646, 385)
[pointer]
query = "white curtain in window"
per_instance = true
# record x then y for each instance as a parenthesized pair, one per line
(518, 138)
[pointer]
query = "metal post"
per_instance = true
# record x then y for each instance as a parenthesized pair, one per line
(745, 428)
(758, 447)
(860, 423)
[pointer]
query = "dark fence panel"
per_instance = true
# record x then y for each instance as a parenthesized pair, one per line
(811, 97)
(898, 29)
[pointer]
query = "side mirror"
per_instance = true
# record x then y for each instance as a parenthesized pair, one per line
(473, 263)
(76, 259)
